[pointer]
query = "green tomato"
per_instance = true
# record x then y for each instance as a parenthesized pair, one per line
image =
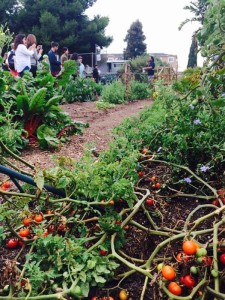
(159, 266)
(76, 292)
(201, 252)
(194, 270)
(214, 273)
(199, 260)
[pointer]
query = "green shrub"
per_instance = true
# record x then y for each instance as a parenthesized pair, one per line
(81, 90)
(113, 93)
(139, 90)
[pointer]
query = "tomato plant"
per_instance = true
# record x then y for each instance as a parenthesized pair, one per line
(24, 232)
(174, 288)
(12, 243)
(168, 272)
(189, 247)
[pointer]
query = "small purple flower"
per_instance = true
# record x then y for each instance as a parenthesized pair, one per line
(204, 168)
(191, 106)
(160, 148)
(197, 121)
(187, 179)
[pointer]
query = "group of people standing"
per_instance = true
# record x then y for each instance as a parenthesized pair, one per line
(25, 55)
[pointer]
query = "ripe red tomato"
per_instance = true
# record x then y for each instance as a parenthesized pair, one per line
(6, 185)
(189, 247)
(215, 202)
(150, 201)
(157, 185)
(38, 218)
(188, 281)
(24, 232)
(168, 272)
(174, 288)
(222, 258)
(103, 252)
(141, 173)
(12, 243)
(27, 221)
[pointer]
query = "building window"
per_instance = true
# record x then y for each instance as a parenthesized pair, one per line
(170, 59)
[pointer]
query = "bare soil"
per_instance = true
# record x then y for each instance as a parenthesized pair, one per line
(98, 135)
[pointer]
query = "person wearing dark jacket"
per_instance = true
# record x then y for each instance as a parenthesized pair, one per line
(55, 64)
(95, 74)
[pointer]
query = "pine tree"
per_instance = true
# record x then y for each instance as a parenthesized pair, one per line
(192, 58)
(135, 41)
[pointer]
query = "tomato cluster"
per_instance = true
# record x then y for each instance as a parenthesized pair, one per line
(192, 253)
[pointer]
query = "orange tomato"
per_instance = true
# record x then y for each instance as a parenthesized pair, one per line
(38, 218)
(27, 221)
(189, 247)
(24, 232)
(174, 288)
(111, 202)
(168, 272)
(144, 150)
(123, 295)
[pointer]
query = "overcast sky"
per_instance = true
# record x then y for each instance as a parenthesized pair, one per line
(160, 20)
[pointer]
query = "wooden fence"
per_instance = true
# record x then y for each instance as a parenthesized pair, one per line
(167, 74)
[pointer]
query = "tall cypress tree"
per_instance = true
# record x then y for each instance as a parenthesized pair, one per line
(135, 41)
(192, 58)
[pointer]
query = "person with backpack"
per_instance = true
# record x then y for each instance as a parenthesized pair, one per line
(10, 58)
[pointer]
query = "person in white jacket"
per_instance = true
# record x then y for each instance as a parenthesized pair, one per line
(22, 54)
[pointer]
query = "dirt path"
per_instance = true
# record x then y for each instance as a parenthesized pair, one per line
(98, 134)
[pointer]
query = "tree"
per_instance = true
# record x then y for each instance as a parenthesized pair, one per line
(198, 8)
(135, 41)
(63, 21)
(192, 58)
